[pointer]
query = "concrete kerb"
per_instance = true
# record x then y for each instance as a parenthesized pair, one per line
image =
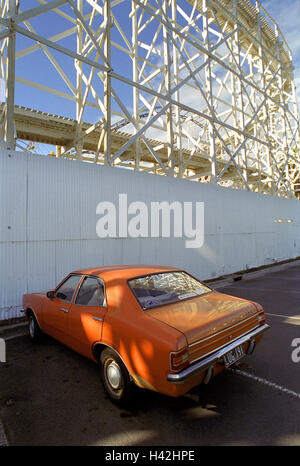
(220, 283)
(8, 332)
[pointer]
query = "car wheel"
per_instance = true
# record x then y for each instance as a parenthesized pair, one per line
(115, 377)
(35, 332)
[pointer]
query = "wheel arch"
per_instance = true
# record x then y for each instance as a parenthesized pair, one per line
(29, 310)
(100, 346)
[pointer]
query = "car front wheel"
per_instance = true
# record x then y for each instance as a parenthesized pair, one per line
(115, 377)
(33, 327)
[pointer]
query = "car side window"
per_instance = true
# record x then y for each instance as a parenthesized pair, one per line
(67, 288)
(91, 293)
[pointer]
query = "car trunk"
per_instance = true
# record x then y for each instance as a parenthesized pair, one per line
(209, 321)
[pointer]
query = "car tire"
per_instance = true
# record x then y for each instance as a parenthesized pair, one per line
(115, 378)
(35, 332)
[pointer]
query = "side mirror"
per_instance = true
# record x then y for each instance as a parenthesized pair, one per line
(50, 294)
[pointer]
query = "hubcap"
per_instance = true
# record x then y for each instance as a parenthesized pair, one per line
(31, 327)
(114, 375)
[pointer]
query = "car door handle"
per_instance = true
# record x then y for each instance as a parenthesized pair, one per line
(98, 318)
(64, 310)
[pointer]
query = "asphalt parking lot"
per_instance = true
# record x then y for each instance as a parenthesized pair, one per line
(50, 395)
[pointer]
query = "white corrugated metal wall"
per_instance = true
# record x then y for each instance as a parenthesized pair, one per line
(48, 224)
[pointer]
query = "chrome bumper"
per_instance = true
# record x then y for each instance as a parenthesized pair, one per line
(208, 361)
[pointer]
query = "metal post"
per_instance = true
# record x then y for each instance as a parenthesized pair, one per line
(208, 82)
(169, 116)
(58, 151)
(234, 100)
(79, 30)
(237, 54)
(282, 101)
(178, 124)
(266, 106)
(135, 90)
(10, 78)
(107, 84)
(256, 144)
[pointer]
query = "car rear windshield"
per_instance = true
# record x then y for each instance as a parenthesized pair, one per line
(165, 288)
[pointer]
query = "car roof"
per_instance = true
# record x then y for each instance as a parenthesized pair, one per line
(125, 271)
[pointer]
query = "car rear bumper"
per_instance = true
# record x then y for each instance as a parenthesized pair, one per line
(210, 360)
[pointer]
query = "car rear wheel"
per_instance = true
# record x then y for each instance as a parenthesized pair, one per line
(35, 332)
(115, 377)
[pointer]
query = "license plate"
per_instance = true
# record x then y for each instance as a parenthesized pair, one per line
(233, 356)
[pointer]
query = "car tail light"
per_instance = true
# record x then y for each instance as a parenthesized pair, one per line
(179, 360)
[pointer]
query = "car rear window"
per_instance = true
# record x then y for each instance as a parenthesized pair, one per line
(164, 288)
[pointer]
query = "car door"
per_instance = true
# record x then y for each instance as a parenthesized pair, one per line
(56, 309)
(86, 315)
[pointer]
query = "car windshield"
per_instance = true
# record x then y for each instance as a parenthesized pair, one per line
(165, 288)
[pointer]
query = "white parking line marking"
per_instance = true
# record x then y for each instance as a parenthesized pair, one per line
(266, 382)
(3, 439)
(280, 315)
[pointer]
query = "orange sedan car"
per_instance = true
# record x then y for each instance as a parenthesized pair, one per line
(155, 327)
